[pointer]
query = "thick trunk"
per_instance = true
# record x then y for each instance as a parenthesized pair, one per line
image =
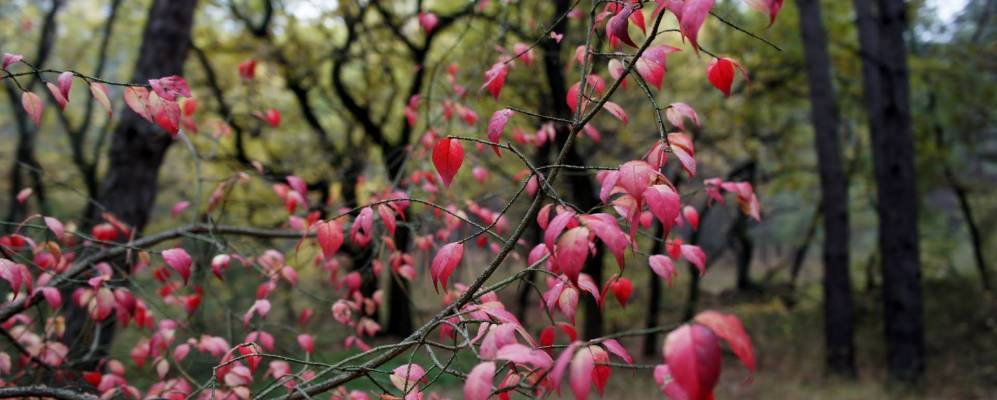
(838, 320)
(886, 86)
(137, 150)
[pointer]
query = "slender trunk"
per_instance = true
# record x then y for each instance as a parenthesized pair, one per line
(137, 150)
(743, 245)
(24, 157)
(886, 87)
(801, 252)
(975, 239)
(650, 346)
(838, 332)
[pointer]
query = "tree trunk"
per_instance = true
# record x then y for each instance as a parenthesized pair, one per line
(886, 87)
(743, 245)
(137, 150)
(838, 332)
(650, 346)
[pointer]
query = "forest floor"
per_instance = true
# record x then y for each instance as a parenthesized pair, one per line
(961, 345)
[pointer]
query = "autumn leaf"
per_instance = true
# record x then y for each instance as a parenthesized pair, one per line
(448, 155)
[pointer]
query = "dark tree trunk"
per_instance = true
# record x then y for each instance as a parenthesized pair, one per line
(743, 245)
(24, 156)
(886, 87)
(583, 191)
(650, 346)
(975, 239)
(838, 332)
(137, 149)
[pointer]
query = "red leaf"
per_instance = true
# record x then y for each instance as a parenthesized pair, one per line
(664, 203)
(582, 365)
(180, 261)
(496, 125)
(478, 384)
(33, 106)
(170, 87)
(445, 262)
(720, 72)
(770, 7)
(427, 21)
(165, 113)
(448, 155)
(730, 329)
(617, 29)
(694, 13)
(495, 78)
(330, 237)
(693, 356)
(247, 70)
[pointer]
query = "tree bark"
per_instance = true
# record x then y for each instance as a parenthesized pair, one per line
(743, 245)
(886, 87)
(838, 320)
(137, 150)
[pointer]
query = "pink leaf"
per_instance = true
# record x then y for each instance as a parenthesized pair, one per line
(448, 155)
(571, 252)
(664, 203)
(683, 149)
(9, 59)
(65, 83)
(99, 92)
(522, 354)
(617, 111)
(616, 348)
(695, 255)
(33, 106)
(694, 13)
(57, 95)
(179, 207)
(730, 329)
(445, 262)
(168, 88)
(496, 125)
(662, 266)
(582, 365)
(678, 112)
(479, 381)
(180, 261)
(137, 98)
(617, 29)
(330, 237)
(55, 226)
(770, 7)
(609, 231)
(693, 356)
(427, 21)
